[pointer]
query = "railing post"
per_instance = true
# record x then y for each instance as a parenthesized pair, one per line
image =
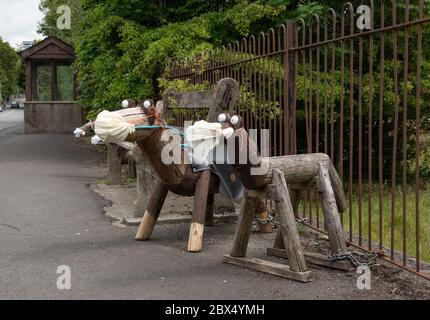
(291, 88)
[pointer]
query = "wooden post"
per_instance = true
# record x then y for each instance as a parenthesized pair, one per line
(262, 214)
(226, 95)
(244, 225)
(114, 164)
(209, 217)
(331, 212)
(131, 168)
(195, 240)
(144, 183)
(287, 222)
(152, 212)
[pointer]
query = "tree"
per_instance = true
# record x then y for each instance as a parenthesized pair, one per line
(48, 26)
(9, 62)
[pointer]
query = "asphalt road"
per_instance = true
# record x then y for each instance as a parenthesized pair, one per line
(49, 218)
(11, 123)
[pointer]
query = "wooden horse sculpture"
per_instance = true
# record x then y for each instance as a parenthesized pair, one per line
(282, 180)
(178, 176)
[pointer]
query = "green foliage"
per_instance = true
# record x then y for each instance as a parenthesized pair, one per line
(9, 69)
(123, 46)
(48, 26)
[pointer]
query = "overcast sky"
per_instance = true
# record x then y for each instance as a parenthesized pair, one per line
(18, 20)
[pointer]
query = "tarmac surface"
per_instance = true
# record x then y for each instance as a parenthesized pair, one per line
(50, 218)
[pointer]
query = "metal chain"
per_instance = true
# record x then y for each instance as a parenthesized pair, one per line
(366, 260)
(303, 221)
(271, 219)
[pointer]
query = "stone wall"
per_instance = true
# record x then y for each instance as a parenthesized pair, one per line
(52, 117)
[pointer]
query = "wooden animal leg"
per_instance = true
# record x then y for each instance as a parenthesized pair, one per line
(152, 212)
(295, 201)
(195, 240)
(331, 212)
(244, 225)
(287, 222)
(131, 168)
(114, 163)
(209, 217)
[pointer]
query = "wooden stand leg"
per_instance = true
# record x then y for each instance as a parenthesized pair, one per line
(131, 168)
(209, 217)
(287, 222)
(152, 212)
(295, 200)
(315, 259)
(297, 269)
(114, 164)
(331, 213)
(195, 240)
(243, 227)
(262, 214)
(145, 178)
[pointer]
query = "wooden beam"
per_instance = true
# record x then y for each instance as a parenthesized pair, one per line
(331, 213)
(315, 259)
(287, 222)
(336, 181)
(295, 200)
(273, 268)
(53, 81)
(28, 81)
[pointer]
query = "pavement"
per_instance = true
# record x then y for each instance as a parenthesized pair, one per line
(11, 122)
(176, 209)
(49, 218)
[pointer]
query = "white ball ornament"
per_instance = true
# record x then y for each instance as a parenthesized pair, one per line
(234, 120)
(124, 104)
(222, 118)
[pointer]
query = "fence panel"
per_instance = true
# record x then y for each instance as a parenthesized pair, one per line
(355, 85)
